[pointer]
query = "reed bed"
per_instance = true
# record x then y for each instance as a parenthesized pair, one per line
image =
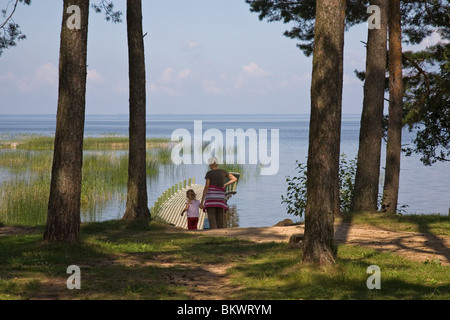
(26, 175)
(103, 142)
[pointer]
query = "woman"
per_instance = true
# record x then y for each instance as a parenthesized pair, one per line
(213, 198)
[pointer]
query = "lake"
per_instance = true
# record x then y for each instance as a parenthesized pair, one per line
(258, 201)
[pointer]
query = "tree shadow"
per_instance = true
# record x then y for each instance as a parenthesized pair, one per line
(435, 242)
(424, 242)
(342, 229)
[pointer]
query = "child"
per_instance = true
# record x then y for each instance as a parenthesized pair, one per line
(192, 207)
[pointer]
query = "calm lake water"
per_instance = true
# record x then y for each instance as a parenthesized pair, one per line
(258, 201)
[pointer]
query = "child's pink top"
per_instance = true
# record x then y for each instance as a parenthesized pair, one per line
(194, 206)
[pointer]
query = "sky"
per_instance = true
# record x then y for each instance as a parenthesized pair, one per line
(202, 57)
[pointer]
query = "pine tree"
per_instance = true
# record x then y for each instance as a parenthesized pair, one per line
(325, 131)
(136, 206)
(365, 196)
(63, 217)
(394, 140)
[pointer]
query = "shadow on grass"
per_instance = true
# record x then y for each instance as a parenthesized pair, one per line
(135, 260)
(433, 229)
(119, 260)
(288, 278)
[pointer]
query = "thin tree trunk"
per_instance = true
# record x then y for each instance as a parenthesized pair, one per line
(394, 142)
(63, 217)
(365, 197)
(137, 206)
(325, 132)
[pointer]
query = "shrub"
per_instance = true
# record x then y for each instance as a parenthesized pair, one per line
(295, 199)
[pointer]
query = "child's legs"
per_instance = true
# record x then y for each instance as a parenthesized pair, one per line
(192, 223)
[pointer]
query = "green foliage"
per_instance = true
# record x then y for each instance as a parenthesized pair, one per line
(108, 8)
(419, 18)
(10, 31)
(295, 199)
(427, 101)
(302, 14)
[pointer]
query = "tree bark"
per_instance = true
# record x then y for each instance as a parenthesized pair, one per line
(63, 217)
(325, 132)
(365, 196)
(137, 206)
(394, 142)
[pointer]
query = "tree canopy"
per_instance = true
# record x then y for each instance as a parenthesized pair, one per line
(10, 31)
(419, 18)
(427, 72)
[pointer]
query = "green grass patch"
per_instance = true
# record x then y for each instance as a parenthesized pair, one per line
(426, 223)
(104, 142)
(281, 275)
(26, 189)
(135, 260)
(26, 161)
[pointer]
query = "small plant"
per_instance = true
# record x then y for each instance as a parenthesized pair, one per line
(435, 262)
(295, 199)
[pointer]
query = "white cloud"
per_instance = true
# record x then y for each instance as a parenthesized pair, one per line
(183, 74)
(166, 90)
(45, 76)
(166, 75)
(210, 87)
(94, 76)
(253, 78)
(47, 73)
(170, 82)
(254, 70)
(189, 45)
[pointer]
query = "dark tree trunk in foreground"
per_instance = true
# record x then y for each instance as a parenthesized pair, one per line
(365, 197)
(63, 217)
(325, 132)
(137, 206)
(394, 142)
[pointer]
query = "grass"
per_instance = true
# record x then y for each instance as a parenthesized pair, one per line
(105, 142)
(281, 276)
(132, 260)
(427, 223)
(26, 189)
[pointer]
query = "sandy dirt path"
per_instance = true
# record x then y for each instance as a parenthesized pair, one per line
(411, 245)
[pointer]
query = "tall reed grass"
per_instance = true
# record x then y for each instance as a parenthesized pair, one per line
(26, 175)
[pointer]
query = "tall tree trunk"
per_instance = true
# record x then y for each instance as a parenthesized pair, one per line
(365, 197)
(137, 206)
(394, 142)
(63, 217)
(325, 132)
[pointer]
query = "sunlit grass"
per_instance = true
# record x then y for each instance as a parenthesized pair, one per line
(25, 185)
(423, 223)
(104, 142)
(122, 260)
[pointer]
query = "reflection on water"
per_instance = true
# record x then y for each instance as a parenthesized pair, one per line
(231, 217)
(258, 198)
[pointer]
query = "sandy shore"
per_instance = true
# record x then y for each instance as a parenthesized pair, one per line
(412, 245)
